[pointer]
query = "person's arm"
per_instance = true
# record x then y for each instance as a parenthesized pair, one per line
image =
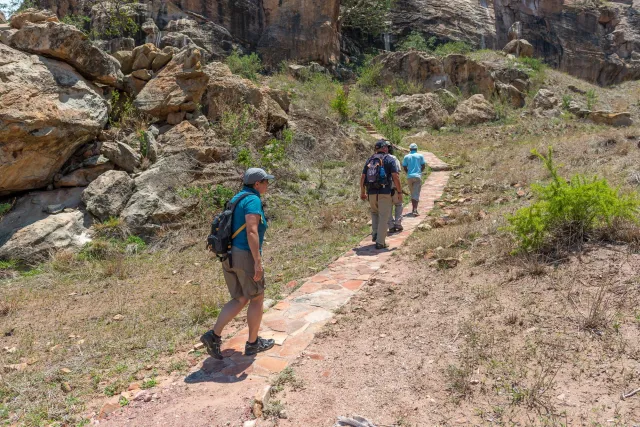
(406, 170)
(363, 194)
(405, 165)
(396, 181)
(423, 166)
(253, 237)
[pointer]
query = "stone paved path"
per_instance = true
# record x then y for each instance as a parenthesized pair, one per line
(294, 321)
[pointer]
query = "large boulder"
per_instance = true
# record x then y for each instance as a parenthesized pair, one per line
(35, 242)
(83, 176)
(420, 110)
(177, 88)
(69, 44)
(156, 200)
(545, 100)
(511, 95)
(519, 48)
(469, 76)
(611, 119)
(121, 155)
(201, 145)
(32, 15)
(108, 195)
(47, 111)
(473, 111)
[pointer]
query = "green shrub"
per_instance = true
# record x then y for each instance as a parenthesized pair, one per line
(566, 100)
(135, 240)
(274, 153)
(81, 22)
(5, 208)
(388, 127)
(210, 197)
(238, 126)
(416, 41)
(248, 66)
(369, 76)
(340, 104)
(533, 63)
(592, 99)
(244, 158)
(567, 213)
(451, 48)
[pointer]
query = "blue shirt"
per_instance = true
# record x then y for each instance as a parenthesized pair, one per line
(249, 205)
(413, 162)
(390, 166)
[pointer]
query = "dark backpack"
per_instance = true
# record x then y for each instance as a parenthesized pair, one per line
(376, 176)
(219, 241)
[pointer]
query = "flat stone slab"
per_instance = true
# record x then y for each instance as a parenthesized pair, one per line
(329, 299)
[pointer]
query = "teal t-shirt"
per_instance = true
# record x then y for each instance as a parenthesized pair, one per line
(413, 162)
(249, 205)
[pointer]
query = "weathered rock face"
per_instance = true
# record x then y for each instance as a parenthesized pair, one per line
(67, 43)
(121, 155)
(420, 110)
(545, 100)
(201, 145)
(178, 87)
(156, 200)
(108, 195)
(473, 111)
(467, 20)
(519, 48)
(433, 73)
(34, 16)
(37, 241)
(598, 43)
(3, 20)
(47, 110)
(611, 119)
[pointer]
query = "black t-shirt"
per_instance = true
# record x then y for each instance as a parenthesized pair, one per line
(390, 166)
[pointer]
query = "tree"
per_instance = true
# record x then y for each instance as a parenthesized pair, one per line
(369, 16)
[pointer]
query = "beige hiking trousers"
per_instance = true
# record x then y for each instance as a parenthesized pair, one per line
(380, 205)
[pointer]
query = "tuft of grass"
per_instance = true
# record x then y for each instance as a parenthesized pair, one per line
(150, 383)
(287, 376)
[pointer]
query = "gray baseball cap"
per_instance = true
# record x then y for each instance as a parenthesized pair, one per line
(253, 175)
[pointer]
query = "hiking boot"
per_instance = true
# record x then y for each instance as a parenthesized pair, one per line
(374, 237)
(257, 347)
(393, 230)
(212, 343)
(415, 213)
(381, 246)
(398, 228)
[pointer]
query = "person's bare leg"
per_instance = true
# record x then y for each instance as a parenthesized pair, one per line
(254, 316)
(229, 311)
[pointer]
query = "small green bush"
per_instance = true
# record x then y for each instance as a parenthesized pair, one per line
(451, 48)
(340, 104)
(567, 213)
(369, 76)
(5, 208)
(533, 63)
(416, 41)
(211, 197)
(274, 153)
(566, 100)
(248, 66)
(592, 99)
(244, 158)
(135, 240)
(238, 126)
(388, 127)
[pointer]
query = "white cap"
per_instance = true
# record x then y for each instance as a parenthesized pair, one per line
(413, 146)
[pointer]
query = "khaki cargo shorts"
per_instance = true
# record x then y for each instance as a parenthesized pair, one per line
(239, 276)
(415, 185)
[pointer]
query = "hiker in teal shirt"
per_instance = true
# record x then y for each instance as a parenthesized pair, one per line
(414, 164)
(251, 204)
(242, 269)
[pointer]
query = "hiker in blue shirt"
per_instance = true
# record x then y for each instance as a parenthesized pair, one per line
(243, 270)
(414, 164)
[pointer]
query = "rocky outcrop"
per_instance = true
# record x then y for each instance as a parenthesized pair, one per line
(108, 195)
(3, 19)
(473, 111)
(31, 15)
(83, 176)
(47, 110)
(66, 43)
(229, 92)
(420, 110)
(471, 21)
(611, 119)
(177, 89)
(201, 145)
(451, 72)
(35, 242)
(545, 100)
(519, 48)
(599, 42)
(156, 200)
(121, 155)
